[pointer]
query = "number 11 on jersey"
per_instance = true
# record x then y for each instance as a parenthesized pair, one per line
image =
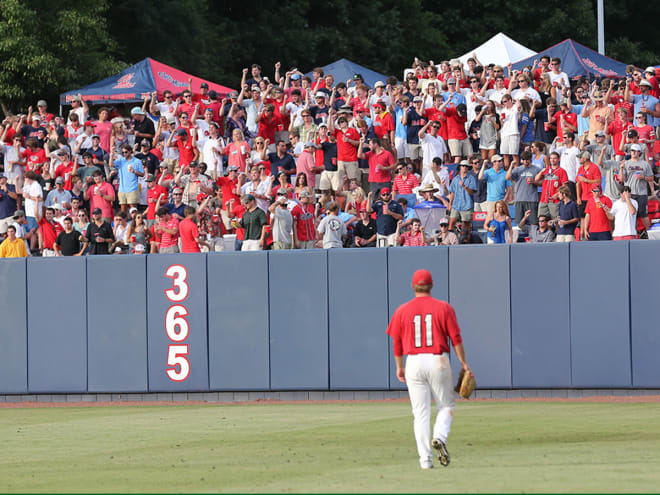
(428, 327)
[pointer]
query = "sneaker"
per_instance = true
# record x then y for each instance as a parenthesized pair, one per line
(443, 453)
(427, 464)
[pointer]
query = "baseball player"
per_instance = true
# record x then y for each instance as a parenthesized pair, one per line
(420, 329)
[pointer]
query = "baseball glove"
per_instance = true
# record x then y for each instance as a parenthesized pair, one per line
(465, 384)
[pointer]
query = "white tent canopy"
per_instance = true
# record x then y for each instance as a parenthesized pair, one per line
(500, 50)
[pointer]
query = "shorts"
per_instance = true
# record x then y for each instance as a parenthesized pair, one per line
(250, 245)
(522, 207)
(488, 146)
(307, 244)
(463, 216)
(642, 204)
(549, 209)
(565, 238)
(460, 147)
(510, 145)
(401, 146)
(415, 151)
(281, 245)
(385, 240)
(329, 180)
(349, 168)
(31, 224)
(482, 206)
(129, 198)
(581, 207)
(169, 249)
(600, 236)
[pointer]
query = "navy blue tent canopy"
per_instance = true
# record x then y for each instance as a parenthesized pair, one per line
(343, 69)
(578, 60)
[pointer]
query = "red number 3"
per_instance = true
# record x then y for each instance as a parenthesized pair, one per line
(176, 325)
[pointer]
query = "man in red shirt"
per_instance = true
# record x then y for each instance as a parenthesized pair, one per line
(421, 329)
(565, 119)
(459, 144)
(47, 234)
(66, 169)
(186, 145)
(268, 124)
(381, 162)
(304, 230)
(588, 176)
(553, 178)
(168, 230)
(596, 225)
(383, 123)
(348, 140)
(154, 191)
(190, 238)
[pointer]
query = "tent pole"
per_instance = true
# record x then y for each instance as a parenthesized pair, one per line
(60, 114)
(601, 28)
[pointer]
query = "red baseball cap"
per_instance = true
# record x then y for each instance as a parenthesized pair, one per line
(422, 277)
(385, 190)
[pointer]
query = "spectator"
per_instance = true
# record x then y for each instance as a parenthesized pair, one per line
(546, 130)
(99, 234)
(568, 159)
(388, 213)
(568, 216)
(364, 231)
(12, 246)
(525, 192)
(129, 169)
(496, 182)
(537, 233)
(624, 214)
(138, 232)
(120, 231)
(433, 146)
(280, 159)
(143, 127)
(644, 102)
(331, 229)
(257, 188)
(304, 232)
(189, 233)
(381, 162)
(282, 223)
(404, 184)
(149, 160)
(167, 229)
(459, 144)
(13, 158)
(490, 126)
(8, 200)
(552, 177)
(498, 223)
(58, 195)
(32, 195)
(78, 108)
(596, 224)
(400, 108)
(461, 204)
(480, 195)
(510, 132)
(348, 140)
(48, 232)
(100, 195)
(600, 144)
(193, 183)
(565, 120)
(415, 121)
(99, 155)
(446, 237)
(636, 174)
(557, 77)
(253, 221)
(384, 122)
(70, 242)
(598, 112)
(588, 176)
(413, 237)
(306, 166)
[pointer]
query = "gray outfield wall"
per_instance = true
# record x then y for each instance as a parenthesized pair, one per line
(583, 315)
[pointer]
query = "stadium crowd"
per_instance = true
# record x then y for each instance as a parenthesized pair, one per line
(295, 162)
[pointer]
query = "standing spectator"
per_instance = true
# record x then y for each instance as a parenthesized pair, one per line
(99, 234)
(143, 127)
(331, 228)
(624, 214)
(12, 246)
(306, 165)
(149, 160)
(595, 149)
(498, 223)
(8, 198)
(480, 194)
(280, 160)
(558, 78)
(258, 188)
(193, 184)
(388, 213)
(598, 112)
(636, 174)
(167, 228)
(459, 144)
(381, 162)
(190, 236)
(568, 216)
(404, 184)
(154, 192)
(80, 109)
(100, 195)
(348, 140)
(461, 189)
(129, 169)
(120, 231)
(537, 233)
(496, 182)
(596, 224)
(510, 132)
(415, 121)
(138, 232)
(364, 231)
(58, 195)
(490, 126)
(588, 176)
(384, 122)
(546, 130)
(644, 103)
(69, 242)
(253, 221)
(526, 192)
(13, 158)
(304, 232)
(568, 159)
(186, 144)
(33, 198)
(282, 223)
(553, 177)
(48, 232)
(433, 146)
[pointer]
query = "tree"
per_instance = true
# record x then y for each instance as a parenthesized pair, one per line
(47, 46)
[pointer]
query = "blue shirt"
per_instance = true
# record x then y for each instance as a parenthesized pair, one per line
(497, 184)
(7, 204)
(583, 122)
(128, 181)
(401, 131)
(455, 98)
(650, 102)
(528, 137)
(462, 200)
(386, 224)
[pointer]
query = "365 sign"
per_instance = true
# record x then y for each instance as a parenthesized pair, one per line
(177, 327)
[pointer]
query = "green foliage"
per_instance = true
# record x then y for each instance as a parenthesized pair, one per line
(49, 45)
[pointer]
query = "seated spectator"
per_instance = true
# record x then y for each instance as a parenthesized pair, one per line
(413, 237)
(537, 233)
(120, 231)
(331, 229)
(364, 231)
(498, 223)
(12, 246)
(624, 214)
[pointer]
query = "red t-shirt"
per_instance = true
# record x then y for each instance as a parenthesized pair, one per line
(228, 186)
(153, 194)
(189, 232)
(455, 124)
(383, 124)
(186, 153)
(267, 128)
(593, 173)
(617, 129)
(237, 213)
(304, 217)
(64, 171)
(49, 232)
(167, 240)
(35, 159)
(435, 114)
(598, 221)
(346, 152)
(553, 178)
(385, 159)
(424, 325)
(187, 108)
(569, 117)
(618, 101)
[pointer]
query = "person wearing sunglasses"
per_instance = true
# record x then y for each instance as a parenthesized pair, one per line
(129, 169)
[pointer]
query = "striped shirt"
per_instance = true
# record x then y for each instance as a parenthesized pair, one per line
(404, 186)
(410, 239)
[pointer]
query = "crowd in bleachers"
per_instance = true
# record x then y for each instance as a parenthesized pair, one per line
(297, 162)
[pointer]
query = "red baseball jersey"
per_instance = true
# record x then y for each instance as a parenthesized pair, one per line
(424, 325)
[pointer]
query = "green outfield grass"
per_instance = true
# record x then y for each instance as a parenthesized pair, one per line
(348, 447)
